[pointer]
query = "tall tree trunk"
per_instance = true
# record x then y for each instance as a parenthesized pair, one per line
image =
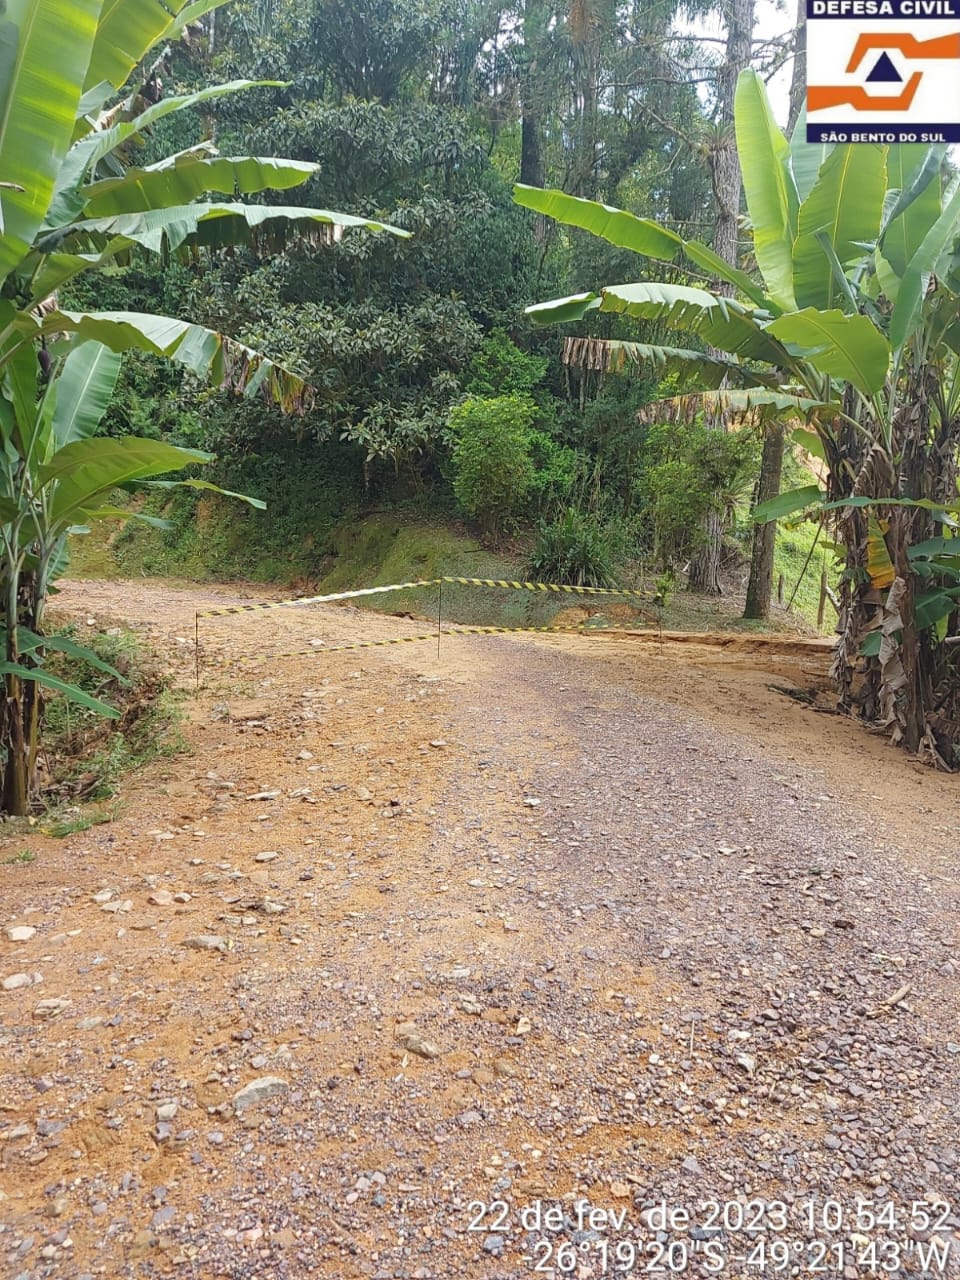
(531, 165)
(536, 27)
(760, 584)
(725, 178)
(798, 79)
(587, 24)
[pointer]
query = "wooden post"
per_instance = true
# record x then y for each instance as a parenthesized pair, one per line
(823, 599)
(780, 591)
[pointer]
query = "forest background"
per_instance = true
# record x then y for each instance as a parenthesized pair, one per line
(446, 434)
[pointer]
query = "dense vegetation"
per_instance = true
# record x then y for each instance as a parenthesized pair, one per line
(432, 388)
(74, 200)
(342, 365)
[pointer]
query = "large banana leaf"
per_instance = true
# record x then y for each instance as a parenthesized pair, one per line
(192, 482)
(181, 178)
(203, 351)
(21, 390)
(846, 347)
(121, 513)
(785, 504)
(91, 102)
(769, 187)
(690, 368)
(128, 30)
(806, 158)
(924, 504)
(810, 441)
(29, 642)
(562, 310)
(908, 309)
(85, 154)
(47, 272)
(71, 691)
(627, 231)
(39, 91)
(753, 406)
(722, 322)
(83, 471)
(84, 388)
(878, 565)
(913, 170)
(887, 280)
(616, 226)
(845, 203)
(932, 607)
(209, 226)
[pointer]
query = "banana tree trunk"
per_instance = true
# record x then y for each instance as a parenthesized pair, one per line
(37, 591)
(911, 687)
(16, 773)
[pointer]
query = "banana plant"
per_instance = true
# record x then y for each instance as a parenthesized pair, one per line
(849, 330)
(76, 100)
(55, 478)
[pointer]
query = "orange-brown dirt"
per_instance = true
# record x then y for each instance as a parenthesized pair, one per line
(386, 904)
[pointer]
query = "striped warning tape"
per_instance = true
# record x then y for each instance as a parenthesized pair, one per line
(502, 583)
(304, 600)
(552, 586)
(432, 635)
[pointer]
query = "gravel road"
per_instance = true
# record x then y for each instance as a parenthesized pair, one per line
(513, 966)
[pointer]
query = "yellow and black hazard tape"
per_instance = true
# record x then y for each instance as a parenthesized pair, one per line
(558, 587)
(305, 600)
(340, 648)
(431, 635)
(503, 584)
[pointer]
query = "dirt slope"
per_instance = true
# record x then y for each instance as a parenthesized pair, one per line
(539, 921)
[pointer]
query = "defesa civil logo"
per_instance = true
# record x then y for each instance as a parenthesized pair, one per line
(883, 71)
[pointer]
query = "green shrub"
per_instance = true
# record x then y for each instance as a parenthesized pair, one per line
(500, 368)
(557, 469)
(607, 427)
(577, 549)
(685, 471)
(493, 472)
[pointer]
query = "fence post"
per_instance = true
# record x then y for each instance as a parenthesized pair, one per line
(823, 599)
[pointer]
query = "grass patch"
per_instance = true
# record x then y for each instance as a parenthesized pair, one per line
(309, 493)
(390, 548)
(20, 858)
(68, 822)
(793, 547)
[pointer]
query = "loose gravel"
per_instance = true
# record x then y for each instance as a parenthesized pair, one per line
(504, 972)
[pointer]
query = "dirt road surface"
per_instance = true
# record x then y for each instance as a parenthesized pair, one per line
(479, 966)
